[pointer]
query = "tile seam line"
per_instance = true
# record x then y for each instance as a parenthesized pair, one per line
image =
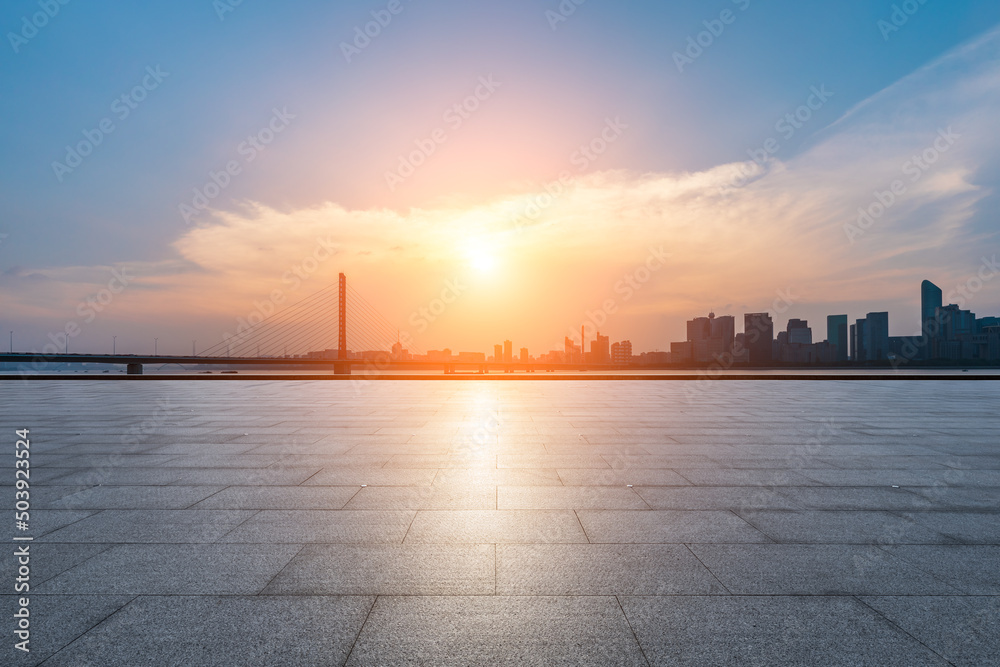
(280, 570)
(80, 636)
(707, 568)
(632, 630)
(899, 627)
(361, 628)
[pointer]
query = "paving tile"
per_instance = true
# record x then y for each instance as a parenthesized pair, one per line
(123, 497)
(662, 526)
(372, 569)
(150, 526)
(841, 527)
(856, 498)
(970, 527)
(216, 631)
(439, 496)
(827, 569)
(49, 560)
(715, 498)
(973, 569)
(682, 630)
(601, 569)
(624, 477)
(174, 569)
(305, 526)
(963, 630)
(496, 631)
(371, 477)
(56, 620)
(567, 497)
(279, 498)
(495, 527)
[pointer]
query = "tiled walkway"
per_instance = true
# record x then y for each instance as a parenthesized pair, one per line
(516, 523)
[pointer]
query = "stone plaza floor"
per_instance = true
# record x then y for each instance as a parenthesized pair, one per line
(506, 523)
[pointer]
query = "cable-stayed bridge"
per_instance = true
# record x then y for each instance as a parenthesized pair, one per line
(334, 327)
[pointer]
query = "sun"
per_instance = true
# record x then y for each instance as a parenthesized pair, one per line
(481, 259)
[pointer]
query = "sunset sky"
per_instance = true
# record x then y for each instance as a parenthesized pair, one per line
(453, 146)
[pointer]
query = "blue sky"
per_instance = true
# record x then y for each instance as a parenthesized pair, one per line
(349, 122)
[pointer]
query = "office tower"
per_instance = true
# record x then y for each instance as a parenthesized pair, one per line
(498, 353)
(758, 336)
(508, 351)
(524, 355)
(621, 353)
(799, 332)
(600, 349)
(836, 335)
(858, 350)
(570, 351)
(930, 300)
(711, 336)
(723, 334)
(876, 336)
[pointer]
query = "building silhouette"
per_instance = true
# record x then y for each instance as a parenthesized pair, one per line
(758, 338)
(621, 353)
(836, 335)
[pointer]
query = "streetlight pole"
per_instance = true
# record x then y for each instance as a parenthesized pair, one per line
(154, 346)
(12, 342)
(114, 345)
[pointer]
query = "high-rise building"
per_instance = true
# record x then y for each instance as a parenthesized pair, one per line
(930, 301)
(600, 349)
(508, 351)
(836, 335)
(799, 332)
(524, 355)
(758, 337)
(711, 336)
(621, 353)
(877, 336)
(858, 341)
(498, 353)
(571, 350)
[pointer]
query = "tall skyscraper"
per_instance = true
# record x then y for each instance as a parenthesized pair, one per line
(508, 351)
(758, 336)
(498, 353)
(600, 349)
(836, 335)
(930, 300)
(524, 355)
(877, 336)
